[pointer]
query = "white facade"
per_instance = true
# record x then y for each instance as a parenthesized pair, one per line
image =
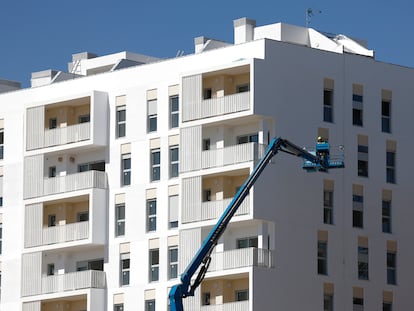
(96, 217)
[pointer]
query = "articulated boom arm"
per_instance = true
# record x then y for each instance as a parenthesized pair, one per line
(318, 161)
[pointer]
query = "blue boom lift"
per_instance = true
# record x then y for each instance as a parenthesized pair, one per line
(320, 160)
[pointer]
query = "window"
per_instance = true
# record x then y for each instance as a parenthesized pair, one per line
(151, 215)
(152, 115)
(242, 88)
(386, 116)
(357, 211)
(1, 238)
(120, 121)
(357, 110)
(206, 144)
(150, 305)
(119, 307)
(92, 166)
(242, 295)
(154, 261)
(362, 263)
(328, 105)
(82, 216)
(125, 268)
(155, 164)
(390, 167)
(51, 220)
(174, 113)
(50, 269)
(172, 262)
(173, 211)
(120, 219)
(323, 257)
(52, 171)
(387, 306)
(251, 138)
(358, 304)
(386, 216)
(362, 160)
(207, 93)
(1, 144)
(206, 195)
(328, 207)
(247, 242)
(206, 299)
(52, 123)
(174, 161)
(126, 169)
(327, 302)
(84, 118)
(391, 268)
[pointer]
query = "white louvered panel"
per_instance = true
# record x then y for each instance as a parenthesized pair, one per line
(35, 127)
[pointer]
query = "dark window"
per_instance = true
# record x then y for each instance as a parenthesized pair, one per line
(386, 216)
(391, 268)
(155, 164)
(152, 115)
(358, 211)
(328, 207)
(247, 242)
(386, 116)
(120, 219)
(242, 295)
(322, 257)
(358, 303)
(52, 123)
(328, 105)
(206, 144)
(174, 161)
(362, 263)
(119, 307)
(154, 261)
(387, 306)
(150, 305)
(125, 268)
(327, 302)
(51, 220)
(174, 113)
(126, 169)
(243, 88)
(207, 93)
(357, 110)
(120, 121)
(250, 138)
(390, 167)
(363, 160)
(82, 216)
(151, 215)
(1, 144)
(173, 262)
(84, 118)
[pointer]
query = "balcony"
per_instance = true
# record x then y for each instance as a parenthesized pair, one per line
(231, 155)
(66, 135)
(62, 184)
(239, 258)
(65, 233)
(230, 306)
(68, 121)
(74, 182)
(73, 281)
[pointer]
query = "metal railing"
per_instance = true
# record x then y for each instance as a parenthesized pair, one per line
(232, 155)
(67, 134)
(65, 233)
(73, 182)
(230, 306)
(73, 281)
(239, 258)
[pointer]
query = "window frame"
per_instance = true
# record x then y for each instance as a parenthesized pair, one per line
(173, 262)
(119, 221)
(155, 164)
(152, 118)
(174, 154)
(328, 207)
(386, 216)
(322, 257)
(126, 166)
(391, 267)
(120, 130)
(328, 105)
(154, 265)
(174, 111)
(125, 269)
(151, 214)
(390, 166)
(363, 263)
(386, 116)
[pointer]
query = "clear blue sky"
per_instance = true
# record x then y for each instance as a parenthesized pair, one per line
(43, 34)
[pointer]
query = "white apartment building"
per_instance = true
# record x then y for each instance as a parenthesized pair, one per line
(114, 172)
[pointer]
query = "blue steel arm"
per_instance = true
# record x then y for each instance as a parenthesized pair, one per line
(202, 258)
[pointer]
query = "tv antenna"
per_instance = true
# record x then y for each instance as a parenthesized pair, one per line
(309, 13)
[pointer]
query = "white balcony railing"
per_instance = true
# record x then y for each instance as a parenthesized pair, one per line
(67, 134)
(73, 281)
(232, 155)
(73, 182)
(65, 233)
(239, 258)
(230, 306)
(224, 105)
(211, 210)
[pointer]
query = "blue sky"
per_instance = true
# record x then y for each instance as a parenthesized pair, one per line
(43, 34)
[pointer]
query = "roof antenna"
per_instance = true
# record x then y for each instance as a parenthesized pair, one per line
(309, 13)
